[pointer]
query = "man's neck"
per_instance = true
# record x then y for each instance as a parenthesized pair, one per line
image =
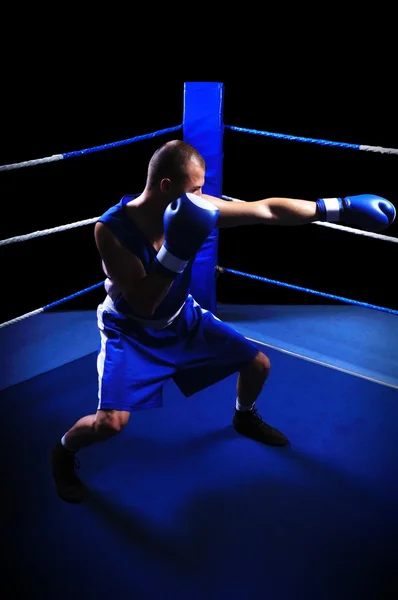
(148, 210)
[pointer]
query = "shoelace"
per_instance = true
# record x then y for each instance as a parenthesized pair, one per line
(260, 421)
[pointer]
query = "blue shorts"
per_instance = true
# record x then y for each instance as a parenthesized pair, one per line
(134, 362)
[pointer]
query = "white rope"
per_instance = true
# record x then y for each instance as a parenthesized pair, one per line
(43, 232)
(38, 311)
(32, 163)
(35, 234)
(52, 305)
(300, 138)
(376, 236)
(379, 149)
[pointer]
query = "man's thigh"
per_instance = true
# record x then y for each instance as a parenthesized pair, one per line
(216, 351)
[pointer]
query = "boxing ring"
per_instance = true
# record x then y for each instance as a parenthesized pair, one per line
(179, 505)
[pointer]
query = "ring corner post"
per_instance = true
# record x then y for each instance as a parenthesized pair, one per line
(203, 128)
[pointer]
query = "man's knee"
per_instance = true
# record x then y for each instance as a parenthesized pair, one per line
(110, 422)
(260, 365)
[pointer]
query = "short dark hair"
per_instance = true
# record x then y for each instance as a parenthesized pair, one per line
(171, 160)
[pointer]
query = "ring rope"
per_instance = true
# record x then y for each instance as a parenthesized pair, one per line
(43, 232)
(376, 236)
(48, 307)
(55, 157)
(36, 234)
(297, 138)
(220, 270)
(307, 290)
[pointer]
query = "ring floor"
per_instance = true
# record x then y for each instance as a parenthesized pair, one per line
(180, 506)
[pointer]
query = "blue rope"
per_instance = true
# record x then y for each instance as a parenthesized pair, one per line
(138, 138)
(72, 296)
(56, 157)
(309, 291)
(294, 138)
(250, 276)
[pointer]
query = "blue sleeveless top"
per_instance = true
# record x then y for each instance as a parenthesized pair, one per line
(129, 234)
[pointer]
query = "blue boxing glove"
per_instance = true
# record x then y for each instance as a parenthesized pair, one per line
(188, 221)
(366, 211)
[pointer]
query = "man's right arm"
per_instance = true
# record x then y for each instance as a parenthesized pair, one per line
(144, 292)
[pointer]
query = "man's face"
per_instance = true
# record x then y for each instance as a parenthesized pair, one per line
(193, 184)
(195, 180)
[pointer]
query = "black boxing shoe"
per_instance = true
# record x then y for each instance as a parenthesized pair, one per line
(250, 424)
(64, 464)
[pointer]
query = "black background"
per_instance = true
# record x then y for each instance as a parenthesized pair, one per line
(52, 115)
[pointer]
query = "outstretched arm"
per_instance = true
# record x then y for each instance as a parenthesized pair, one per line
(271, 211)
(366, 211)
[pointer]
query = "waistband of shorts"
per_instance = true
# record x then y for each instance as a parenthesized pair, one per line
(109, 306)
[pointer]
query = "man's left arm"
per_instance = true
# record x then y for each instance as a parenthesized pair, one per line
(365, 211)
(270, 211)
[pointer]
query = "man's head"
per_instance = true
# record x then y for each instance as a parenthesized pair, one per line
(174, 169)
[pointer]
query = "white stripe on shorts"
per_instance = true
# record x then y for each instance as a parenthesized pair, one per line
(101, 354)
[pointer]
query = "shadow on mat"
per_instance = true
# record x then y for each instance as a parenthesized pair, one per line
(139, 531)
(327, 535)
(325, 540)
(149, 450)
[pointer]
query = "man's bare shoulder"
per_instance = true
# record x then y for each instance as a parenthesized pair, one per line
(102, 233)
